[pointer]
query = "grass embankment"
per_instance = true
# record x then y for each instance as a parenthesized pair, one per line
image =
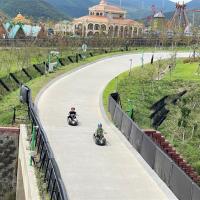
(8, 102)
(181, 127)
(13, 59)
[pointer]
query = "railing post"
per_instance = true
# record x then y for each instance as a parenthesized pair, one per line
(14, 115)
(53, 189)
(43, 159)
(49, 179)
(33, 142)
(47, 168)
(39, 144)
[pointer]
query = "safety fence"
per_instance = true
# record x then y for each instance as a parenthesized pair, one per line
(12, 115)
(179, 176)
(13, 81)
(150, 40)
(44, 158)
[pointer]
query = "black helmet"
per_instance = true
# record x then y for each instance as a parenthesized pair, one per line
(99, 125)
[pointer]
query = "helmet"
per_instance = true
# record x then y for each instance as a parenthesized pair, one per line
(72, 108)
(99, 125)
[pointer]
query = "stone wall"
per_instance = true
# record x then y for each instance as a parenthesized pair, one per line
(9, 139)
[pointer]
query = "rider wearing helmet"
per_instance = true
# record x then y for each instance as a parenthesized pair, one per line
(99, 131)
(72, 112)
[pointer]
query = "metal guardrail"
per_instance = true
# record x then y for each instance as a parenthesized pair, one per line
(46, 161)
(156, 151)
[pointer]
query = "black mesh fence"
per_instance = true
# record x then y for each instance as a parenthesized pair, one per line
(180, 183)
(45, 158)
(175, 178)
(148, 150)
(14, 80)
(163, 165)
(118, 115)
(195, 192)
(126, 126)
(136, 137)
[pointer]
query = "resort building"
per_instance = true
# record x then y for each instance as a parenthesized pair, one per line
(63, 28)
(106, 19)
(21, 28)
(21, 19)
(3, 32)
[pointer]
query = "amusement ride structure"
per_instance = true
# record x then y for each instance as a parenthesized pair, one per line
(179, 21)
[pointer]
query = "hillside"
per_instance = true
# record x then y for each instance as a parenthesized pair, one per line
(35, 8)
(194, 4)
(61, 9)
(136, 8)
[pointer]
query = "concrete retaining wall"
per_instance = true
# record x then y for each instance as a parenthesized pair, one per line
(9, 138)
(27, 188)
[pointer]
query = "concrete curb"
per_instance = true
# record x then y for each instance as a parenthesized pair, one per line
(75, 70)
(31, 191)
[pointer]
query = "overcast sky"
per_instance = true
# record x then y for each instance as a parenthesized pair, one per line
(180, 1)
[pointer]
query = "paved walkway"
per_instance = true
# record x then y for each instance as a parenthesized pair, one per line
(91, 172)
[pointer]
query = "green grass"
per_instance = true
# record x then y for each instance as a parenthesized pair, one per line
(12, 99)
(148, 72)
(185, 71)
(13, 59)
(143, 91)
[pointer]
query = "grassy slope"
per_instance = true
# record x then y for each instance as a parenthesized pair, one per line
(41, 9)
(12, 100)
(135, 8)
(185, 71)
(144, 92)
(13, 59)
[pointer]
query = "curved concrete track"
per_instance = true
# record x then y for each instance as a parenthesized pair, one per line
(91, 172)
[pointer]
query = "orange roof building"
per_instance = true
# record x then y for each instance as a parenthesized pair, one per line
(21, 19)
(105, 19)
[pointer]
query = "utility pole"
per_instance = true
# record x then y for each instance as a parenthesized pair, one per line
(120, 1)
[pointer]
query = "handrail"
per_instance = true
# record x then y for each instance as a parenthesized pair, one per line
(47, 162)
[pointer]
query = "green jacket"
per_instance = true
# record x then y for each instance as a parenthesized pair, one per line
(99, 132)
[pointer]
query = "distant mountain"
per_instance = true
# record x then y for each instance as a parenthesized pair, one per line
(35, 8)
(137, 9)
(195, 4)
(61, 9)
(74, 8)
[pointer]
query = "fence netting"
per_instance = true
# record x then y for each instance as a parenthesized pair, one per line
(174, 177)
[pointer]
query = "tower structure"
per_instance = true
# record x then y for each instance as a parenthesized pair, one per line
(179, 21)
(158, 22)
